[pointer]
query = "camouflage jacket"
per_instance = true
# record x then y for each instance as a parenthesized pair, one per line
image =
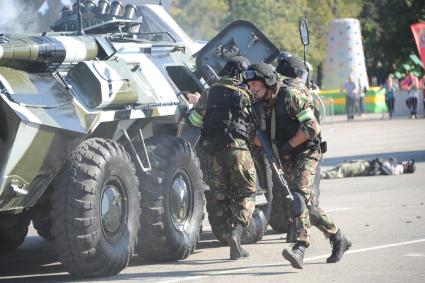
(299, 106)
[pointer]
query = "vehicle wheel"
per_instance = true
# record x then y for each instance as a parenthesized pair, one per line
(172, 201)
(41, 217)
(219, 214)
(43, 227)
(95, 210)
(13, 235)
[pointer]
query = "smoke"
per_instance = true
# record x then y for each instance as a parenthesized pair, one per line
(29, 16)
(15, 16)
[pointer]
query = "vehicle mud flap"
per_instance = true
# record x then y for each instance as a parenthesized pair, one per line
(172, 201)
(95, 209)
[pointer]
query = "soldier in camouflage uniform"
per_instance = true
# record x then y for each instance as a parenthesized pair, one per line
(222, 114)
(295, 135)
(372, 167)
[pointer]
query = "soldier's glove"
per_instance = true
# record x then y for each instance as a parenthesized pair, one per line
(286, 150)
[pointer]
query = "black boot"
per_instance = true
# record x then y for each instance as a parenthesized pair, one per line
(340, 244)
(234, 241)
(291, 235)
(296, 255)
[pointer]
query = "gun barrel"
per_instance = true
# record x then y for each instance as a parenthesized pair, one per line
(38, 53)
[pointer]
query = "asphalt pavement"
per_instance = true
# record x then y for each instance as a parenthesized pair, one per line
(384, 216)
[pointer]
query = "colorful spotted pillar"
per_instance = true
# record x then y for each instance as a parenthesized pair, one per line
(344, 54)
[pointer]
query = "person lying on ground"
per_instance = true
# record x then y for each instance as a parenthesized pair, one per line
(372, 167)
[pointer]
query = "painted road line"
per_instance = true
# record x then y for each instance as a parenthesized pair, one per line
(415, 255)
(342, 208)
(250, 268)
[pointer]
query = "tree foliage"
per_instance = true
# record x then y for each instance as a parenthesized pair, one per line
(278, 19)
(202, 19)
(386, 30)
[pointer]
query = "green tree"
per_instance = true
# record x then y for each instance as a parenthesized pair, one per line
(277, 19)
(200, 19)
(386, 30)
(319, 14)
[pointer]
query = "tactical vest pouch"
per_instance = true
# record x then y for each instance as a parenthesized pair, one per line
(324, 146)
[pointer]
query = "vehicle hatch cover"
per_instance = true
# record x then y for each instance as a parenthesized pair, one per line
(238, 38)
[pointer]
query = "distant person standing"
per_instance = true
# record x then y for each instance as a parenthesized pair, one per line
(350, 87)
(412, 94)
(374, 81)
(390, 89)
(362, 91)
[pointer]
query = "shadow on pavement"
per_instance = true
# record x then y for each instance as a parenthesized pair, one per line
(182, 274)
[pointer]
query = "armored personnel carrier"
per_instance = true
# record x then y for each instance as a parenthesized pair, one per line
(89, 146)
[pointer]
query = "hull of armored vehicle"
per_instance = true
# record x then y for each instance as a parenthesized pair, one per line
(89, 151)
(89, 146)
(63, 134)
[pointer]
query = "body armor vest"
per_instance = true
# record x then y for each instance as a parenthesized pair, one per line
(225, 118)
(286, 127)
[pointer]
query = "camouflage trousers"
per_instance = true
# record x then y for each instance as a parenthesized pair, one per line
(348, 169)
(232, 179)
(300, 172)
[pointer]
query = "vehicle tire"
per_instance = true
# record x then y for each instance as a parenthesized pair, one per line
(219, 215)
(13, 235)
(172, 201)
(43, 227)
(95, 209)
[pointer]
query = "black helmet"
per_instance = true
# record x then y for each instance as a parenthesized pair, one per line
(263, 72)
(411, 167)
(290, 66)
(235, 66)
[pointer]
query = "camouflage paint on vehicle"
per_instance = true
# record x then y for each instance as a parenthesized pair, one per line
(55, 92)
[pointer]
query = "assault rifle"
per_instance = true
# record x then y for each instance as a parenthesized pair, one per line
(268, 151)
